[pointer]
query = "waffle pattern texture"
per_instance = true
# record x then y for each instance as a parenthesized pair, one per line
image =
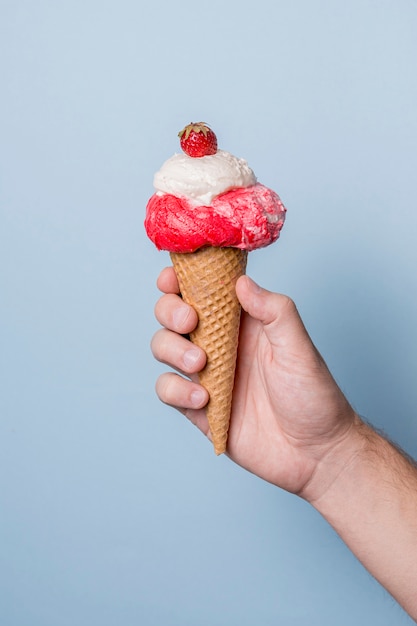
(207, 281)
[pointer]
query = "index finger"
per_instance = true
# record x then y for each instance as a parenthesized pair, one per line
(167, 281)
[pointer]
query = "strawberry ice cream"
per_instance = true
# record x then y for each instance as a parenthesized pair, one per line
(214, 201)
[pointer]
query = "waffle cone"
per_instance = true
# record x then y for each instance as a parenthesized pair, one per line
(207, 281)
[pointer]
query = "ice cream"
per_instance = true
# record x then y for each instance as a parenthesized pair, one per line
(211, 201)
(208, 212)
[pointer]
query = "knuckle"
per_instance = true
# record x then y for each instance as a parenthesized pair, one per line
(160, 309)
(287, 304)
(157, 343)
(163, 388)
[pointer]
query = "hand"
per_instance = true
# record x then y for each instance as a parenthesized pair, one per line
(291, 425)
(288, 413)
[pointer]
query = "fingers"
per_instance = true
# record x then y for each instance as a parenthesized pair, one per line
(170, 347)
(175, 314)
(167, 281)
(278, 314)
(261, 304)
(186, 396)
(174, 350)
(273, 310)
(180, 393)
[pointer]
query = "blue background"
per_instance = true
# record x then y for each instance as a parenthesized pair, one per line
(113, 509)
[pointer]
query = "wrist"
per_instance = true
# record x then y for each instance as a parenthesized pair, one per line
(336, 461)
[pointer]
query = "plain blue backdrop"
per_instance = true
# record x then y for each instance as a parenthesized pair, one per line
(113, 509)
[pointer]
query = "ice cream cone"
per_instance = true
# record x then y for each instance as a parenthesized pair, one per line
(207, 281)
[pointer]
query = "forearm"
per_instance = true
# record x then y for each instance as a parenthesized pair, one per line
(370, 499)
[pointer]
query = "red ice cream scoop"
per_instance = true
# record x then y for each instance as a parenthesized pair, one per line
(245, 218)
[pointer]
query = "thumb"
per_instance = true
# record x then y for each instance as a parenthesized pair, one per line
(276, 312)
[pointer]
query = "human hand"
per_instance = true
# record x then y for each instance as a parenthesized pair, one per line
(288, 414)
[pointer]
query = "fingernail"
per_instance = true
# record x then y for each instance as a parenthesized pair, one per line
(179, 316)
(197, 397)
(191, 357)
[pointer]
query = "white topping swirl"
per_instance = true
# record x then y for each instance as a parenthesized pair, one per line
(203, 178)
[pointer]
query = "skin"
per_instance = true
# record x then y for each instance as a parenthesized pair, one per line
(292, 426)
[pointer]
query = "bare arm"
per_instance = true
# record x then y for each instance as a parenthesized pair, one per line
(367, 490)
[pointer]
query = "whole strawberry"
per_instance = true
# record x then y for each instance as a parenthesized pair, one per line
(198, 140)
